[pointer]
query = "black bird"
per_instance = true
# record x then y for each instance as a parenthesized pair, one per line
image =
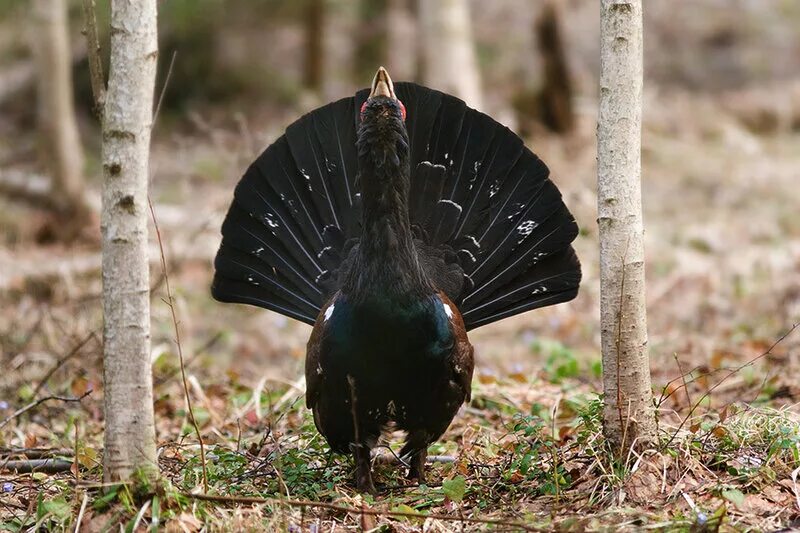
(395, 221)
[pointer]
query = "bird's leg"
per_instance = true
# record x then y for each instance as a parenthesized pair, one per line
(363, 470)
(360, 448)
(417, 465)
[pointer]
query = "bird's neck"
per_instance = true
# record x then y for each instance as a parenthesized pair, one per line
(386, 264)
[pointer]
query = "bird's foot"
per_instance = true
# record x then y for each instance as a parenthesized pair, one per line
(416, 470)
(364, 483)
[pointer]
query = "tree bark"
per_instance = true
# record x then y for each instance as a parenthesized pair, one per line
(60, 141)
(127, 121)
(449, 61)
(629, 417)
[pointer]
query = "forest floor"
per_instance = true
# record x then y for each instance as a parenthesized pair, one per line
(723, 252)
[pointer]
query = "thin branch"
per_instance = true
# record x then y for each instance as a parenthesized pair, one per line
(164, 87)
(751, 362)
(36, 453)
(345, 509)
(171, 304)
(95, 62)
(32, 405)
(170, 300)
(683, 378)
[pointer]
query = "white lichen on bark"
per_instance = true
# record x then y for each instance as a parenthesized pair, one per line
(449, 58)
(127, 121)
(628, 413)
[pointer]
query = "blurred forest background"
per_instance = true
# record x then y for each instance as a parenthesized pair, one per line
(721, 175)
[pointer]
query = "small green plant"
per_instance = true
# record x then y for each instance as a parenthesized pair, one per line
(535, 456)
(561, 361)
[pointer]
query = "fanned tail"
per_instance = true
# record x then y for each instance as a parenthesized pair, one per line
(489, 199)
(481, 203)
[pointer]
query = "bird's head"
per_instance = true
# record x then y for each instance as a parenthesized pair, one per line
(382, 102)
(382, 138)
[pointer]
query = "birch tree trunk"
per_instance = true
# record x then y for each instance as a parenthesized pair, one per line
(449, 61)
(60, 142)
(629, 417)
(127, 121)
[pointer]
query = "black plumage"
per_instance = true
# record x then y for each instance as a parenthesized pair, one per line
(383, 219)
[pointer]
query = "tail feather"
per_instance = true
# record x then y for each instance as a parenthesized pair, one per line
(520, 229)
(548, 284)
(426, 191)
(317, 146)
(273, 180)
(247, 234)
(481, 202)
(238, 266)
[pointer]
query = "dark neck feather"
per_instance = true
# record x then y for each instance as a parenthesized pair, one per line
(386, 265)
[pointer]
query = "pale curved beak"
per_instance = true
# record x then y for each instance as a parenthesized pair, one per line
(382, 85)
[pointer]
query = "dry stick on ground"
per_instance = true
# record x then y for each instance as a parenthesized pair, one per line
(36, 453)
(32, 405)
(244, 500)
(724, 379)
(45, 466)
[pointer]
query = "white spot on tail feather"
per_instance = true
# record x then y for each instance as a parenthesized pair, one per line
(429, 164)
(328, 312)
(451, 202)
(473, 240)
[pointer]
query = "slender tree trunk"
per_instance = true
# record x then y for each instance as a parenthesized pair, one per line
(315, 34)
(401, 40)
(628, 415)
(127, 121)
(449, 61)
(61, 146)
(339, 49)
(556, 94)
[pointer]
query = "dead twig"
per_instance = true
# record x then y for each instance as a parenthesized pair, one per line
(36, 403)
(244, 500)
(36, 453)
(170, 301)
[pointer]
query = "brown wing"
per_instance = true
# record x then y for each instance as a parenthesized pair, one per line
(463, 358)
(314, 375)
